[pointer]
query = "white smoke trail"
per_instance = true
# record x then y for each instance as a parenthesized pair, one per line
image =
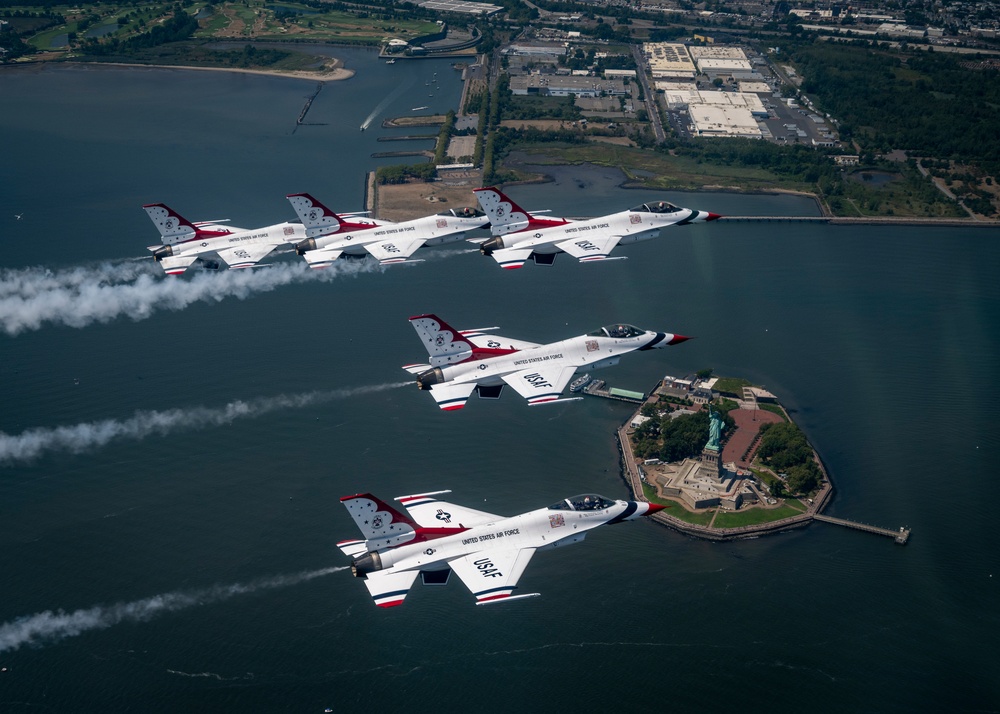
(52, 626)
(90, 435)
(78, 297)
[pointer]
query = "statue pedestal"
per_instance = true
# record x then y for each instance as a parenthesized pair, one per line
(710, 466)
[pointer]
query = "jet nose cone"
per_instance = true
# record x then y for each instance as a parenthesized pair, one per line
(677, 339)
(713, 217)
(654, 507)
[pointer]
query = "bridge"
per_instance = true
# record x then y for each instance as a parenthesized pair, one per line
(868, 221)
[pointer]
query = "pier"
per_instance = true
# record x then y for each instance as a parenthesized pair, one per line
(900, 536)
(597, 389)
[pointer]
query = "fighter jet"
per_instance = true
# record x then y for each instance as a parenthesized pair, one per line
(487, 552)
(329, 236)
(464, 361)
(518, 235)
(185, 242)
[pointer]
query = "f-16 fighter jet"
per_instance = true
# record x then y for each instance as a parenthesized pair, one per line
(464, 361)
(487, 552)
(328, 235)
(518, 235)
(185, 242)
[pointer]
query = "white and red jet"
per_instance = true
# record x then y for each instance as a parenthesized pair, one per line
(464, 361)
(517, 235)
(487, 552)
(185, 242)
(329, 236)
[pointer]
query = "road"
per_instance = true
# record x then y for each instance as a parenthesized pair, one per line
(648, 95)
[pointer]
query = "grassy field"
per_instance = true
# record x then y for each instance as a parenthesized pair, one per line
(753, 516)
(298, 22)
(731, 385)
(238, 21)
(668, 172)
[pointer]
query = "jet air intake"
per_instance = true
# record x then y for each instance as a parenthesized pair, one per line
(425, 380)
(367, 563)
(487, 247)
(305, 245)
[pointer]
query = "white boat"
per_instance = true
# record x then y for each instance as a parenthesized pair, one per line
(579, 383)
(417, 109)
(390, 61)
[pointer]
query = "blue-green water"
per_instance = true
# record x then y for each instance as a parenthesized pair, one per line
(883, 341)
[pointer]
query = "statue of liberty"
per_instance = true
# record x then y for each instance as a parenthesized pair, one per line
(715, 427)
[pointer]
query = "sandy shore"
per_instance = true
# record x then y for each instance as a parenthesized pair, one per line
(332, 71)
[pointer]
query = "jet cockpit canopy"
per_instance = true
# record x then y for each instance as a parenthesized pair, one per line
(656, 207)
(466, 212)
(583, 502)
(619, 331)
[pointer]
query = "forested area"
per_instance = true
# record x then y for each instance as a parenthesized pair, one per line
(926, 102)
(676, 439)
(784, 448)
(179, 27)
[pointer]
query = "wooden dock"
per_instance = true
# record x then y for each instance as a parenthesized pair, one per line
(900, 536)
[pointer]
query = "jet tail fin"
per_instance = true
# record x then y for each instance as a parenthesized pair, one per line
(320, 220)
(173, 227)
(444, 343)
(376, 519)
(508, 217)
(317, 218)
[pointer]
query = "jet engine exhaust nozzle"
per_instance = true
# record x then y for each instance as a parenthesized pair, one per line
(164, 252)
(367, 563)
(425, 380)
(487, 247)
(305, 245)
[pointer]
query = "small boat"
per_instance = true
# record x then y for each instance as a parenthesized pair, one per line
(390, 61)
(417, 109)
(579, 383)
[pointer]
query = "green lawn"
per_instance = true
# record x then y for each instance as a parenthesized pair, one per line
(774, 409)
(753, 516)
(668, 172)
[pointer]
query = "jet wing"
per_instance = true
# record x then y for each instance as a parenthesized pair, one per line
(540, 384)
(492, 574)
(450, 396)
(511, 258)
(177, 265)
(389, 587)
(389, 251)
(244, 256)
(321, 258)
(429, 512)
(589, 249)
